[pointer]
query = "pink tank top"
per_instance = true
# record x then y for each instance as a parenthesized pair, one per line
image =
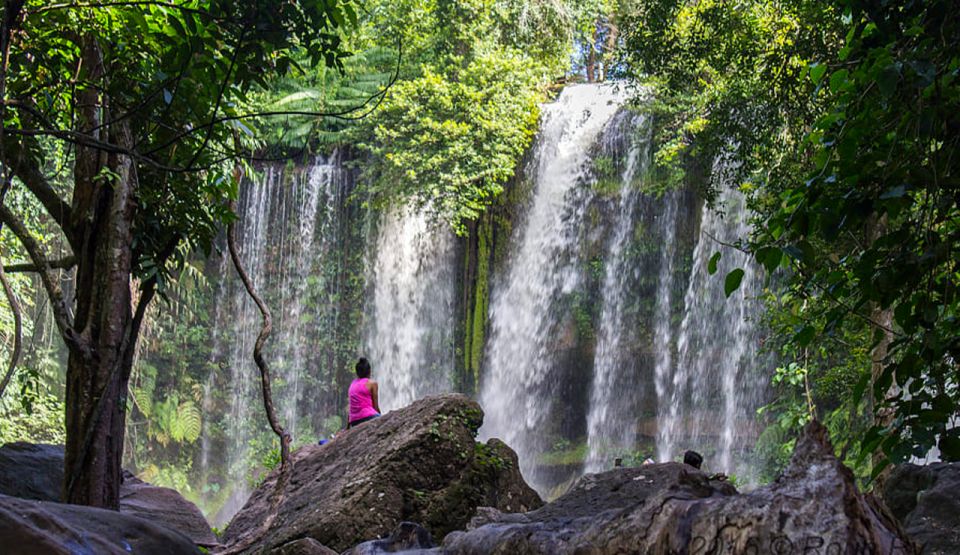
(361, 402)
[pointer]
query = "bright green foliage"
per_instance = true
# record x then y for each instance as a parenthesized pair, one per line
(179, 75)
(32, 414)
(467, 78)
(884, 173)
(728, 77)
(455, 143)
(452, 131)
(817, 380)
(843, 120)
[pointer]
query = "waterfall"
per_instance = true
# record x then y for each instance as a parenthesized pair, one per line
(662, 324)
(518, 386)
(715, 389)
(607, 336)
(411, 311)
(286, 234)
(610, 423)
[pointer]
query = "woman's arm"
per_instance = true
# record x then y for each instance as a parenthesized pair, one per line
(374, 394)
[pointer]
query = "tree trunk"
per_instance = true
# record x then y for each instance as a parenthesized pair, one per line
(882, 319)
(97, 375)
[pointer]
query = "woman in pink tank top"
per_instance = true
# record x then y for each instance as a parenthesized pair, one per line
(364, 396)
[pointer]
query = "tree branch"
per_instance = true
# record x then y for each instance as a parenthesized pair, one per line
(59, 264)
(220, 94)
(134, 3)
(60, 313)
(17, 329)
(258, 346)
(347, 114)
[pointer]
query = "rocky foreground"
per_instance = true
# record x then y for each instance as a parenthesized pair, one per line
(151, 519)
(416, 481)
(418, 464)
(814, 507)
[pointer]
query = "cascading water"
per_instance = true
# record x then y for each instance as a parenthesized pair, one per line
(715, 388)
(284, 255)
(411, 313)
(663, 321)
(662, 375)
(520, 364)
(609, 428)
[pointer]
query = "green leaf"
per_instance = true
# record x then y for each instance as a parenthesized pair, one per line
(770, 257)
(888, 79)
(838, 79)
(732, 282)
(805, 336)
(817, 72)
(949, 447)
(712, 264)
(861, 387)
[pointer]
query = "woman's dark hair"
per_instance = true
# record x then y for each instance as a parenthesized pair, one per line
(363, 368)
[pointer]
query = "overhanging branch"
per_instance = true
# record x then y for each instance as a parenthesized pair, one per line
(17, 330)
(60, 313)
(23, 267)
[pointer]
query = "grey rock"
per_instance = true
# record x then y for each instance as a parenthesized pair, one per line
(30, 527)
(814, 507)
(303, 546)
(31, 471)
(407, 537)
(926, 499)
(420, 463)
(165, 506)
(35, 471)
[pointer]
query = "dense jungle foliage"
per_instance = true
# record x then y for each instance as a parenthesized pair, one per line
(839, 121)
(842, 119)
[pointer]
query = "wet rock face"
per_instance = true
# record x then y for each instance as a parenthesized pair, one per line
(814, 507)
(35, 471)
(45, 528)
(926, 499)
(419, 464)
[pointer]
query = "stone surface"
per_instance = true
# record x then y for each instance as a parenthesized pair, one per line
(45, 528)
(165, 506)
(419, 464)
(408, 536)
(814, 507)
(926, 499)
(35, 471)
(31, 471)
(304, 546)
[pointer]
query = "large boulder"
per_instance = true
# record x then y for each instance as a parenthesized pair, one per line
(35, 471)
(46, 528)
(926, 499)
(419, 464)
(814, 507)
(165, 506)
(31, 470)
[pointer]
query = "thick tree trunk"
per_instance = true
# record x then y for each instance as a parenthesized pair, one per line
(97, 383)
(103, 211)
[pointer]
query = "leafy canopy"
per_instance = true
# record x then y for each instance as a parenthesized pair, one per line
(844, 119)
